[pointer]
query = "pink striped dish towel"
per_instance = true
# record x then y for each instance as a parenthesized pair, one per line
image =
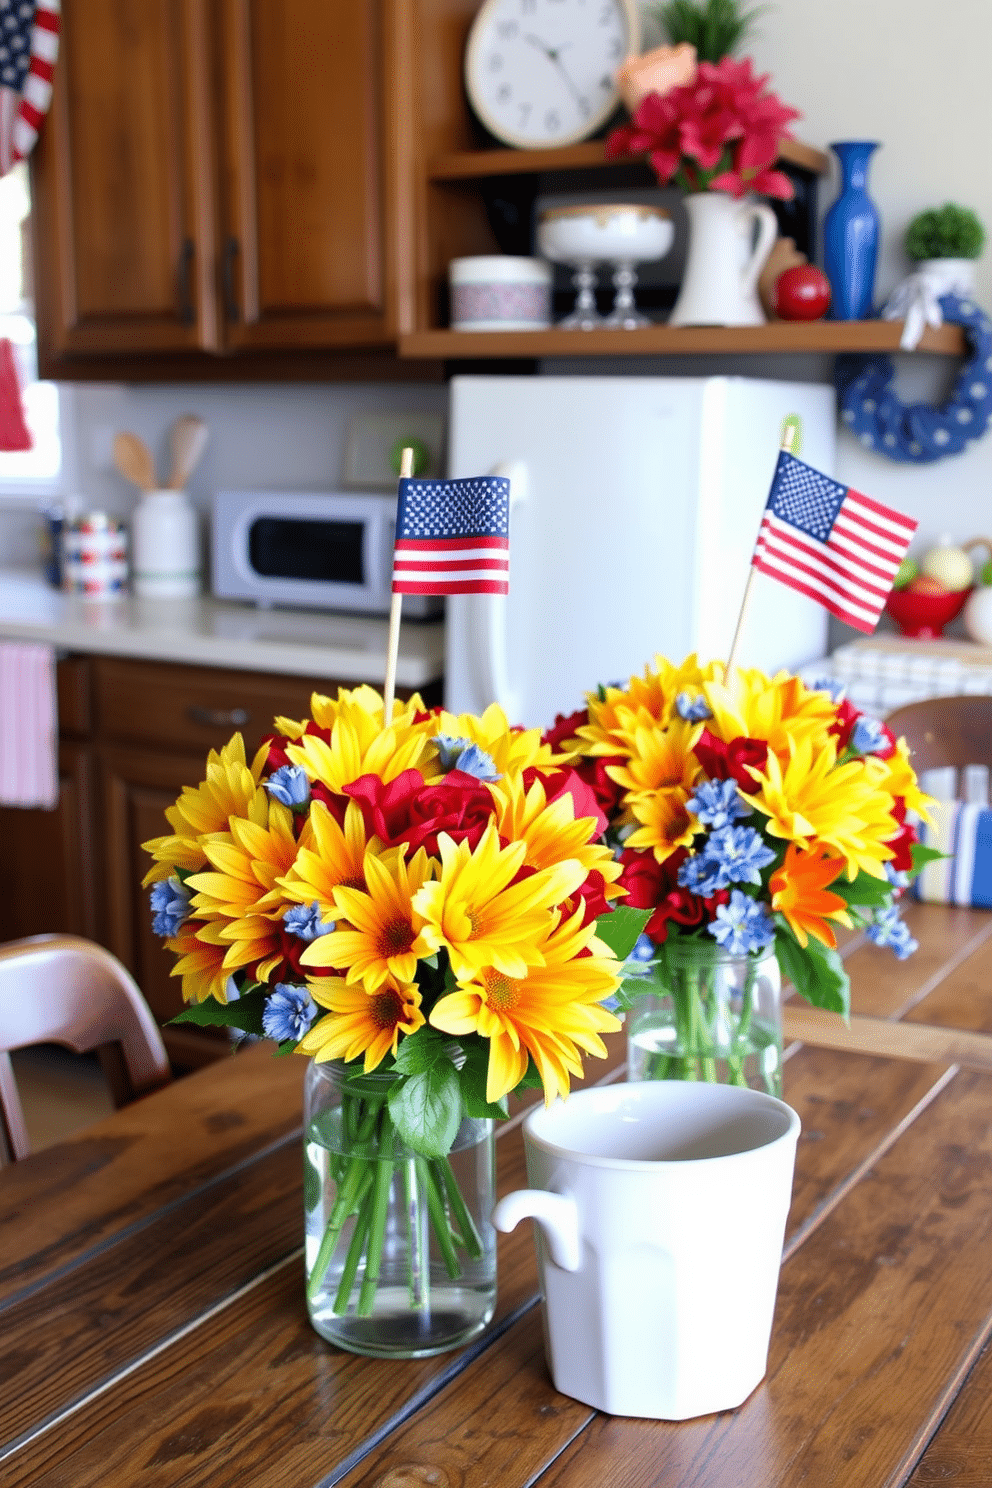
(28, 726)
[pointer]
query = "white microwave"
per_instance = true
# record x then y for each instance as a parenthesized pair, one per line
(314, 550)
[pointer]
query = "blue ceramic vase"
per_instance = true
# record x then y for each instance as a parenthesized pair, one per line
(850, 235)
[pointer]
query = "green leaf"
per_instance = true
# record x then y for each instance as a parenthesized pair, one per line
(427, 1109)
(420, 1051)
(311, 1184)
(531, 1079)
(817, 973)
(472, 1078)
(864, 889)
(620, 928)
(922, 855)
(245, 1013)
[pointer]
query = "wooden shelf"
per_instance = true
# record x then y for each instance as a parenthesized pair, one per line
(474, 165)
(827, 337)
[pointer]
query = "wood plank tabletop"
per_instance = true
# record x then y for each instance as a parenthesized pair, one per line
(153, 1328)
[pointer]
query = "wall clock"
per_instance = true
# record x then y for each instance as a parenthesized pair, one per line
(539, 73)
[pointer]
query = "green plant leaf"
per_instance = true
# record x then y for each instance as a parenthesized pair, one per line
(245, 1014)
(817, 973)
(420, 1051)
(922, 855)
(426, 1109)
(863, 890)
(620, 928)
(472, 1078)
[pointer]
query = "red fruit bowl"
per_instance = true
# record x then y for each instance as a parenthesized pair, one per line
(925, 615)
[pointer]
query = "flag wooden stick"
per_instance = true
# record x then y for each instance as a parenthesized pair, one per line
(788, 435)
(393, 641)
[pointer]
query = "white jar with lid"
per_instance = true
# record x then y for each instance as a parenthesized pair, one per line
(500, 292)
(165, 546)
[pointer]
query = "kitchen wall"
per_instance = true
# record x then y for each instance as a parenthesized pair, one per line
(912, 75)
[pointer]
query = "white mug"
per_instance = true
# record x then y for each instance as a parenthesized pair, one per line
(660, 1210)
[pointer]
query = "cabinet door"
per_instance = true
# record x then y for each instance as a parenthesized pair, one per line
(47, 877)
(304, 231)
(136, 787)
(123, 183)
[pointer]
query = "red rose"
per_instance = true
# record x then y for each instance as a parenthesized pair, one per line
(406, 810)
(732, 761)
(591, 894)
(565, 728)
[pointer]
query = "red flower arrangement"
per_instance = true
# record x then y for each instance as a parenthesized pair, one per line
(721, 132)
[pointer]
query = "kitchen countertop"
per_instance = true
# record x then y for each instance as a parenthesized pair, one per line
(213, 632)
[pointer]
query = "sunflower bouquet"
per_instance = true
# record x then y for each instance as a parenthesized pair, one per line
(750, 815)
(424, 908)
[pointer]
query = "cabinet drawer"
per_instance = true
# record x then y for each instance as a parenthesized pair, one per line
(194, 708)
(72, 680)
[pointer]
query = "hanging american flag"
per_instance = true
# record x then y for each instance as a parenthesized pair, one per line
(29, 45)
(453, 537)
(830, 542)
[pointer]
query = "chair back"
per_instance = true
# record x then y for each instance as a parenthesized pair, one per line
(61, 989)
(948, 733)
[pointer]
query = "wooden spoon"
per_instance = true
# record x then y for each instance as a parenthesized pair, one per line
(189, 437)
(134, 461)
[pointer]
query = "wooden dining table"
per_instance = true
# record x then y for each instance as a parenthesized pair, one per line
(153, 1329)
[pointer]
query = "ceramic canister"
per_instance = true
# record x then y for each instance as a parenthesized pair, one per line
(95, 555)
(500, 293)
(165, 546)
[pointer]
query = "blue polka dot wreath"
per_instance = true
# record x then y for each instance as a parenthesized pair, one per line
(917, 432)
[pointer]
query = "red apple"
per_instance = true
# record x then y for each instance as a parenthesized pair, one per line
(802, 293)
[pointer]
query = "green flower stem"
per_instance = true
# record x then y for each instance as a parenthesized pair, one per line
(438, 1216)
(351, 1196)
(377, 1219)
(418, 1270)
(358, 1238)
(470, 1238)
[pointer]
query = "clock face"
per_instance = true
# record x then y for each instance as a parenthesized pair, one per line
(540, 72)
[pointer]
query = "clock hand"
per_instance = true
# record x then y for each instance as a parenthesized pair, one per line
(553, 55)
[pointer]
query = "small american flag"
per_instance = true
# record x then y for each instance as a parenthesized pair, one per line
(830, 542)
(29, 45)
(453, 537)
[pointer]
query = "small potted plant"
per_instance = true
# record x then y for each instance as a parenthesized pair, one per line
(944, 243)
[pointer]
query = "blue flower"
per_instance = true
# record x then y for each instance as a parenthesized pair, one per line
(742, 926)
(829, 685)
(464, 755)
(643, 948)
(289, 784)
(717, 803)
(701, 875)
(896, 877)
(288, 1012)
(890, 930)
(304, 920)
(868, 736)
(170, 906)
(694, 708)
(741, 853)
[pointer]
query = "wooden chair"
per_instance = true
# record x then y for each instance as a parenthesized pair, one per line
(947, 733)
(61, 989)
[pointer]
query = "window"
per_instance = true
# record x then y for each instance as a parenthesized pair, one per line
(39, 469)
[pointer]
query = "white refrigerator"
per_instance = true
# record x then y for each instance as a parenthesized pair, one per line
(635, 502)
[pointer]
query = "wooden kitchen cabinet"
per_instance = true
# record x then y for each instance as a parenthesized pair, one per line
(217, 176)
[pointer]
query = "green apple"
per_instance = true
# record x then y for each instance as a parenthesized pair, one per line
(906, 572)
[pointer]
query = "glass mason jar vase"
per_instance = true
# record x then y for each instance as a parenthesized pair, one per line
(400, 1253)
(705, 1014)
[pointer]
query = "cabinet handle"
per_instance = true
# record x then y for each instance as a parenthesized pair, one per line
(187, 310)
(218, 717)
(231, 250)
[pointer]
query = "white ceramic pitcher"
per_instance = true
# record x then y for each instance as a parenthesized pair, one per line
(660, 1210)
(720, 283)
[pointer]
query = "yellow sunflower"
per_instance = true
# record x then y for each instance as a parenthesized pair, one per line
(510, 749)
(550, 831)
(780, 710)
(367, 1023)
(898, 777)
(646, 701)
(231, 789)
(551, 1012)
(360, 745)
(239, 891)
(201, 951)
(485, 919)
(380, 934)
(325, 710)
(842, 806)
(664, 822)
(328, 857)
